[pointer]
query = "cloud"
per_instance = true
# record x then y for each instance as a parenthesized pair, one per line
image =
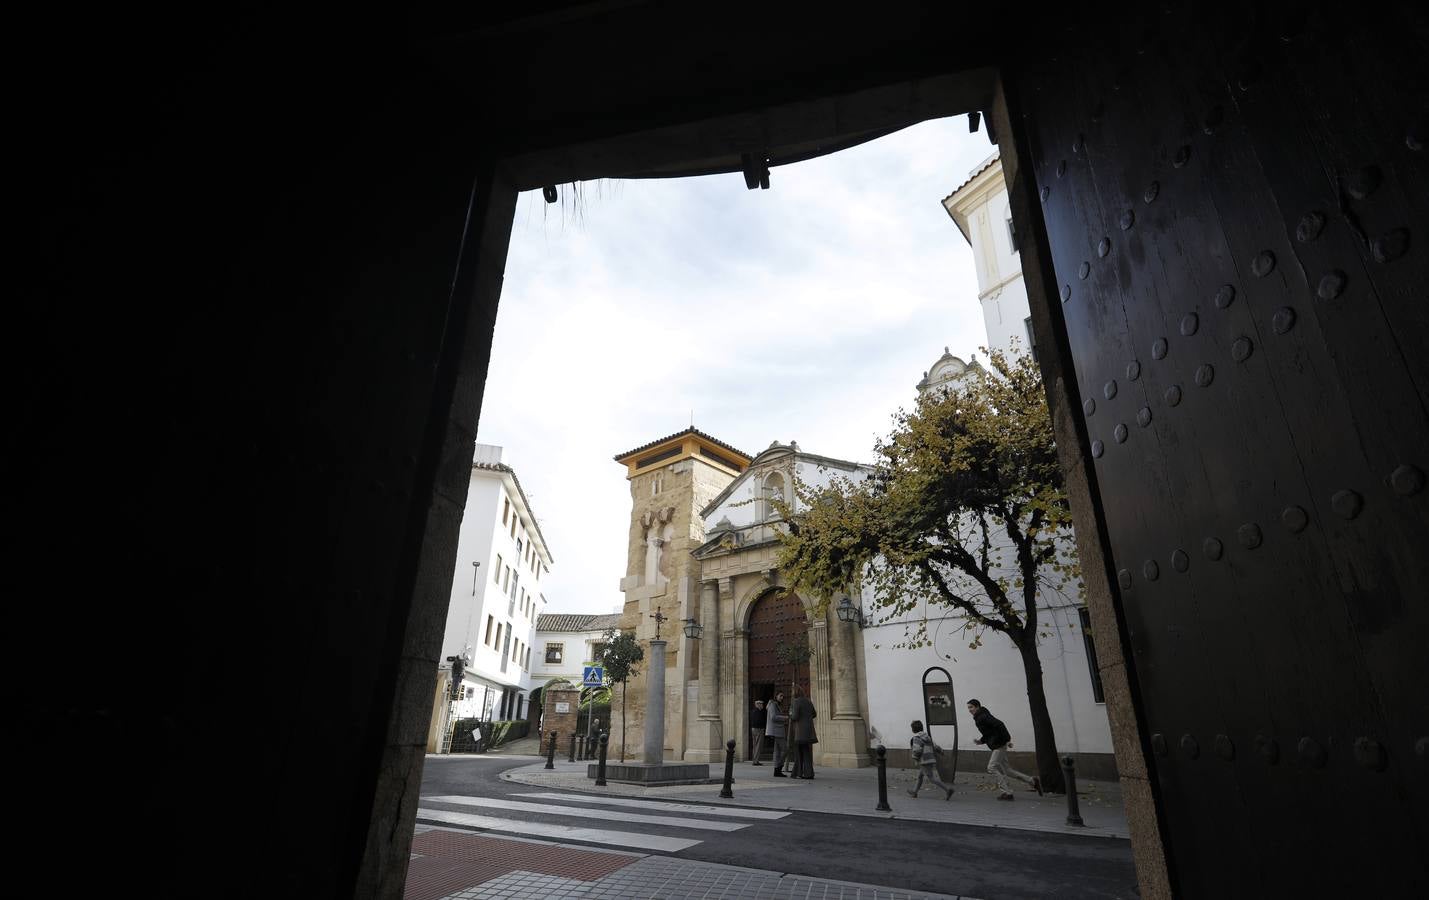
(808, 311)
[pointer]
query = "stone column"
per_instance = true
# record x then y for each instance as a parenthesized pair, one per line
(707, 730)
(844, 737)
(655, 706)
(845, 668)
(709, 650)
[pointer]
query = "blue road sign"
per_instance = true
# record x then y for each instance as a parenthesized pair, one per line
(593, 676)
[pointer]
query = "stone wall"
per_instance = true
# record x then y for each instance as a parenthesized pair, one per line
(554, 719)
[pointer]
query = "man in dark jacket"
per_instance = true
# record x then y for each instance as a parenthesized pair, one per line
(997, 739)
(802, 734)
(758, 719)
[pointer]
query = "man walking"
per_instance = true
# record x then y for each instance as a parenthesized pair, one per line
(774, 729)
(758, 721)
(997, 739)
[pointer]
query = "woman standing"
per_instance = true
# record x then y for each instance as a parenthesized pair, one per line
(802, 733)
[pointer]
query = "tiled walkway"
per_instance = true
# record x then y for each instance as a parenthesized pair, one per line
(462, 866)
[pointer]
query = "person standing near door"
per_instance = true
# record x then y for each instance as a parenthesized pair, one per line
(758, 721)
(802, 733)
(775, 729)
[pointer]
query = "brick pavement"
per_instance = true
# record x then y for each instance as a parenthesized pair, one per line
(464, 866)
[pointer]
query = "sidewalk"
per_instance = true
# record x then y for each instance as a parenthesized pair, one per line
(855, 792)
(463, 866)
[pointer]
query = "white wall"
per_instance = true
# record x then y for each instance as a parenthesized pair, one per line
(578, 646)
(992, 674)
(811, 474)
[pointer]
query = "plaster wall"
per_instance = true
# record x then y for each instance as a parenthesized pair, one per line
(991, 673)
(576, 651)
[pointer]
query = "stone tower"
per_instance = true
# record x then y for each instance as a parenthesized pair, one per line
(671, 480)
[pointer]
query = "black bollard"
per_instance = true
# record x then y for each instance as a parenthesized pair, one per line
(1069, 772)
(574, 738)
(551, 752)
(600, 767)
(883, 781)
(727, 791)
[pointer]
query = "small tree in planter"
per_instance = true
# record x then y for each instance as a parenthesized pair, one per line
(620, 660)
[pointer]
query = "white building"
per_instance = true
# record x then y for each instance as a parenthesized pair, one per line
(566, 642)
(980, 209)
(502, 561)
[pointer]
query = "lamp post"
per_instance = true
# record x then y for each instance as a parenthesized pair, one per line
(847, 612)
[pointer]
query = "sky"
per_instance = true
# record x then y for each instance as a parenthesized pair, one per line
(806, 312)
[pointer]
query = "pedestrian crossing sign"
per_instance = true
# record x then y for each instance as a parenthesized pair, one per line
(594, 676)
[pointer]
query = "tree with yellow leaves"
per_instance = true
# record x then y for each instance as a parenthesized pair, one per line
(964, 509)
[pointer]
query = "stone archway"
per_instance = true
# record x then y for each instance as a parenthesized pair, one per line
(777, 617)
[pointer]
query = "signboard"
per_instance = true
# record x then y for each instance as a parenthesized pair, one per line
(593, 676)
(940, 708)
(562, 707)
(938, 703)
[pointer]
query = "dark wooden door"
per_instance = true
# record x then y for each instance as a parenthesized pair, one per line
(1238, 218)
(777, 618)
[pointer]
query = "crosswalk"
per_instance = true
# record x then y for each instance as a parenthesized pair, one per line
(539, 814)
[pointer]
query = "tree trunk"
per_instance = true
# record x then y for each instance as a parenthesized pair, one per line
(622, 720)
(1049, 765)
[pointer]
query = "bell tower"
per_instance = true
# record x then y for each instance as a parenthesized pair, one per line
(671, 481)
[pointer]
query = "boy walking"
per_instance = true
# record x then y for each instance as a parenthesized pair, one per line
(996, 737)
(925, 754)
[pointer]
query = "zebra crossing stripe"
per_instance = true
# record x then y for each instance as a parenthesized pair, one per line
(626, 839)
(663, 806)
(606, 815)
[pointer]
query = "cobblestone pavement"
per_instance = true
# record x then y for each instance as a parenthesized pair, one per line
(462, 866)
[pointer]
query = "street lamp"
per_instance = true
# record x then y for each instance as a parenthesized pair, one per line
(693, 629)
(847, 612)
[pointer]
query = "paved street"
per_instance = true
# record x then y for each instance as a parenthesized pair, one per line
(553, 841)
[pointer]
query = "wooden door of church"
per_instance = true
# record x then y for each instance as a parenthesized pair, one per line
(777, 619)
(1238, 219)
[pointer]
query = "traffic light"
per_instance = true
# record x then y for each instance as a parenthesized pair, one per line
(458, 670)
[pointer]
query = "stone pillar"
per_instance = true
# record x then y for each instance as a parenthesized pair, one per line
(655, 706)
(709, 650)
(707, 731)
(845, 670)
(844, 735)
(819, 688)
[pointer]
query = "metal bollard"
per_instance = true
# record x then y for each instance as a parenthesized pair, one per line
(551, 752)
(883, 781)
(574, 738)
(600, 767)
(1069, 772)
(728, 792)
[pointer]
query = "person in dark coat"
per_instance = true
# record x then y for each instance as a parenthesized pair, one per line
(758, 720)
(997, 739)
(802, 733)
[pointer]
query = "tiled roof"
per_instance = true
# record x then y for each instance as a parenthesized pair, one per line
(502, 467)
(695, 431)
(986, 164)
(577, 622)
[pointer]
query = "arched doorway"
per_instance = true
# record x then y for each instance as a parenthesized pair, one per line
(776, 620)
